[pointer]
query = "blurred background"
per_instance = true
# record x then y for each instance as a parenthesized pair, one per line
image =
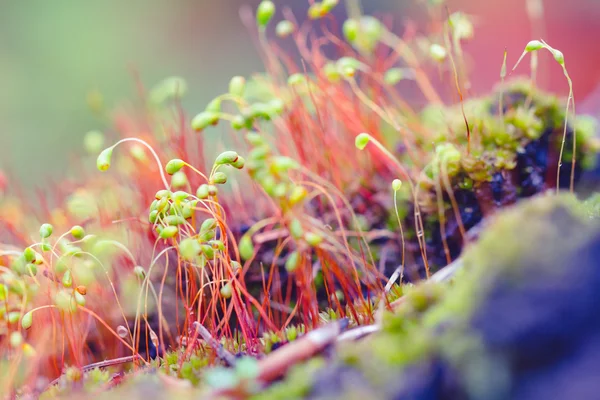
(53, 54)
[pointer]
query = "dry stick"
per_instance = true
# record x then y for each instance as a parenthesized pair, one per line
(212, 342)
(277, 363)
(101, 364)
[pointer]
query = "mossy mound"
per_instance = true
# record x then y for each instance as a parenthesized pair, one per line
(519, 321)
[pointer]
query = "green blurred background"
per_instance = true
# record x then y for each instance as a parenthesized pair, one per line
(53, 53)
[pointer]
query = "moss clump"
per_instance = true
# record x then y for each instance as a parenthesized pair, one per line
(465, 339)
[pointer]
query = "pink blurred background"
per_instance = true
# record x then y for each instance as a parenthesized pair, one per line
(53, 53)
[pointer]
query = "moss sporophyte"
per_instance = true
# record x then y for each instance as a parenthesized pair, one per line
(334, 202)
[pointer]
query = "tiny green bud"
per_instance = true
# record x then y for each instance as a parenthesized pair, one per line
(202, 192)
(296, 228)
(237, 86)
(139, 272)
(208, 251)
(298, 194)
(174, 220)
(29, 254)
(28, 350)
(361, 141)
(46, 247)
(187, 211)
(174, 165)
(212, 190)
(226, 157)
(27, 320)
(437, 52)
(284, 28)
(350, 29)
(179, 179)
(32, 269)
(77, 232)
(328, 5)
(239, 163)
(13, 317)
(396, 184)
(331, 72)
(292, 261)
(163, 205)
(255, 139)
(103, 160)
(217, 244)
(16, 339)
(316, 11)
(67, 279)
(209, 224)
(204, 119)
(264, 13)
(206, 236)
(79, 298)
(393, 76)
(93, 141)
(214, 106)
(46, 231)
(313, 239)
(219, 178)
(534, 45)
(163, 193)
(180, 196)
(169, 232)
(558, 56)
(236, 266)
(296, 79)
(283, 164)
(276, 106)
(246, 247)
(65, 302)
(226, 290)
(238, 122)
(280, 190)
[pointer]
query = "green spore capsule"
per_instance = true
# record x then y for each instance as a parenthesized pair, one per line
(239, 163)
(264, 13)
(238, 122)
(67, 279)
(174, 166)
(169, 232)
(179, 180)
(291, 264)
(29, 254)
(77, 232)
(46, 231)
(209, 224)
(350, 29)
(226, 290)
(204, 119)
(202, 192)
(313, 239)
(226, 157)
(189, 249)
(284, 28)
(214, 106)
(246, 247)
(219, 178)
(174, 220)
(361, 141)
(533, 46)
(237, 86)
(27, 320)
(103, 160)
